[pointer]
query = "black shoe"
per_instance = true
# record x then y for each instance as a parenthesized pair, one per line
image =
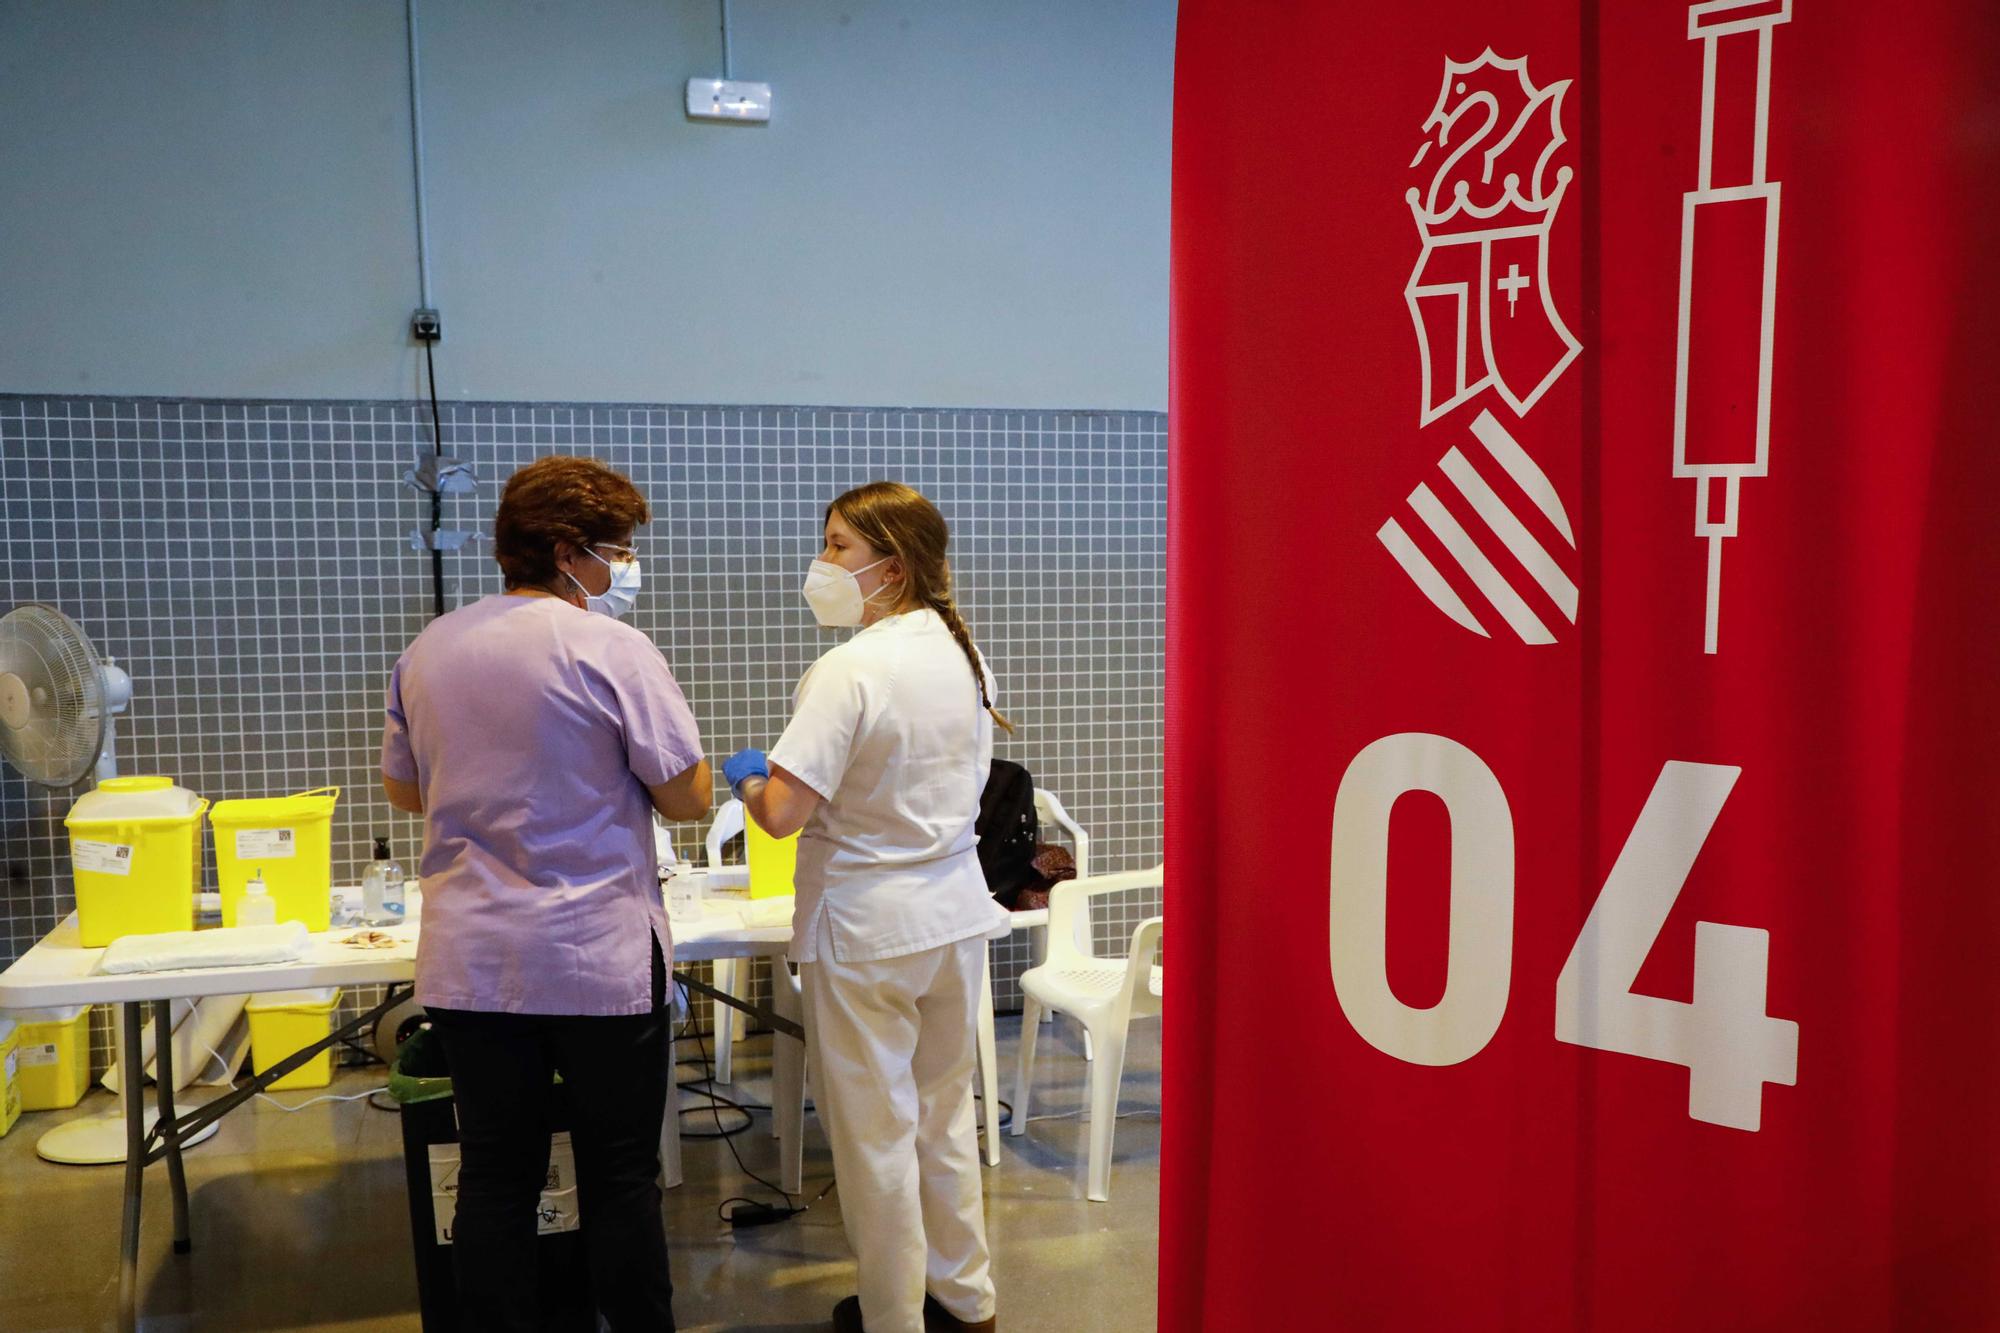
(847, 1316)
(937, 1319)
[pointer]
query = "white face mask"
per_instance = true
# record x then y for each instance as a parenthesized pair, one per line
(835, 593)
(617, 599)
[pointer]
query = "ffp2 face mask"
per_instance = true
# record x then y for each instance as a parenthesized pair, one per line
(834, 594)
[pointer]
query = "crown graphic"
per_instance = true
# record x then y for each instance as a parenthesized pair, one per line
(1494, 135)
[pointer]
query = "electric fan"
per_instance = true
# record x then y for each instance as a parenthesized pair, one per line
(56, 698)
(58, 702)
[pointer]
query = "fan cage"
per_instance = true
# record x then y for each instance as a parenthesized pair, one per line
(59, 743)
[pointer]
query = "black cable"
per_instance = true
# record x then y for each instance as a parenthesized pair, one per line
(716, 1103)
(788, 1209)
(706, 1088)
(1006, 1117)
(704, 1084)
(437, 496)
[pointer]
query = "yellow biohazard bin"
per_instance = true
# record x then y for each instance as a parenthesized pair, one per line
(52, 1047)
(135, 845)
(282, 1023)
(10, 1083)
(773, 861)
(286, 839)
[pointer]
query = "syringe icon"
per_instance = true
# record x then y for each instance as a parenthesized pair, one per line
(1729, 268)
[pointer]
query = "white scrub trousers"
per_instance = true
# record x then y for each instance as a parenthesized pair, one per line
(891, 1045)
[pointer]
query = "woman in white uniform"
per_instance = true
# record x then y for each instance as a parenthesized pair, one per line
(881, 767)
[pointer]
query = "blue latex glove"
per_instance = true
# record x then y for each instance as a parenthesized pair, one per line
(744, 764)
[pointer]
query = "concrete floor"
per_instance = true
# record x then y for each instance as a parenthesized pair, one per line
(300, 1220)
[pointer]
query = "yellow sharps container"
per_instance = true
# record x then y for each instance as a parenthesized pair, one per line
(773, 861)
(52, 1047)
(283, 1023)
(10, 1086)
(135, 845)
(286, 839)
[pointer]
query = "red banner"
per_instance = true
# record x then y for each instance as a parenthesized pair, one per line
(1582, 789)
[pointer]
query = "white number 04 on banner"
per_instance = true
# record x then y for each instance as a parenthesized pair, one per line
(1727, 1042)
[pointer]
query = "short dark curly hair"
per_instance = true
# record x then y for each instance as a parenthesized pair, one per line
(560, 499)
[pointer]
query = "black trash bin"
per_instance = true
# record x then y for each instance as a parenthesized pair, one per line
(420, 1082)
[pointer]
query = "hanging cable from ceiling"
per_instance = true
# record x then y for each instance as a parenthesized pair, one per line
(437, 475)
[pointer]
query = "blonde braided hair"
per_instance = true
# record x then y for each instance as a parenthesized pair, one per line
(898, 521)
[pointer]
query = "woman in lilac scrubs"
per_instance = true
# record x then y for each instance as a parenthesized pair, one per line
(537, 735)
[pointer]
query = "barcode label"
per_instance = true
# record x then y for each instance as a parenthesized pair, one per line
(266, 844)
(101, 858)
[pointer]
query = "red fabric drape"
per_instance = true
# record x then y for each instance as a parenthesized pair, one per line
(1474, 650)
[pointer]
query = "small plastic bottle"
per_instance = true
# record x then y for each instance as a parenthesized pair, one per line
(683, 896)
(382, 888)
(257, 907)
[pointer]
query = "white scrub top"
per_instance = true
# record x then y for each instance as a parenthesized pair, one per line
(887, 728)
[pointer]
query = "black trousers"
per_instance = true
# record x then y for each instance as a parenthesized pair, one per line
(618, 1076)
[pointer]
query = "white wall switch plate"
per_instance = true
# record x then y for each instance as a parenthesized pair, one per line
(728, 99)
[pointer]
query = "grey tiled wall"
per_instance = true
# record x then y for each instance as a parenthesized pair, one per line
(249, 564)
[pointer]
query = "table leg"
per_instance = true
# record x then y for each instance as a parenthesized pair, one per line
(788, 1082)
(163, 1022)
(132, 1093)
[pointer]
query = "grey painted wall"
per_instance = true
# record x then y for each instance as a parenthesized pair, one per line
(957, 203)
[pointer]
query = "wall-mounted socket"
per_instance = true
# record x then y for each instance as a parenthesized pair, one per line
(728, 99)
(425, 327)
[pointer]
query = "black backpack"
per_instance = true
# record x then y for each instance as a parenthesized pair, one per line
(1008, 830)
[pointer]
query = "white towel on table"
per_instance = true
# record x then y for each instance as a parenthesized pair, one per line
(233, 946)
(765, 913)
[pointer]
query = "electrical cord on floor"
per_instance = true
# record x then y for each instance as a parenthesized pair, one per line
(749, 1212)
(267, 1097)
(1152, 1112)
(329, 1097)
(705, 1086)
(1006, 1114)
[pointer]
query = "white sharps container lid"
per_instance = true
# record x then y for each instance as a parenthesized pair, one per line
(121, 799)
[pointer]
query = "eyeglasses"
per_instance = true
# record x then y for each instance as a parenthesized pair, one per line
(614, 553)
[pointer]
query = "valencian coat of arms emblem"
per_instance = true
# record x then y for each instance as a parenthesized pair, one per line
(1491, 186)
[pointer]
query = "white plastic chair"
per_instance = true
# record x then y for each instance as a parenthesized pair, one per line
(1049, 810)
(1104, 994)
(732, 975)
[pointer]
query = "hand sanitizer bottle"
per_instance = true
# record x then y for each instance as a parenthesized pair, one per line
(382, 888)
(257, 907)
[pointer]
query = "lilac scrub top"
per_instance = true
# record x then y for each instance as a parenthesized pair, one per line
(533, 729)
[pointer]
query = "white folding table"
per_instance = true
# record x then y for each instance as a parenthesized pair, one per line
(58, 970)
